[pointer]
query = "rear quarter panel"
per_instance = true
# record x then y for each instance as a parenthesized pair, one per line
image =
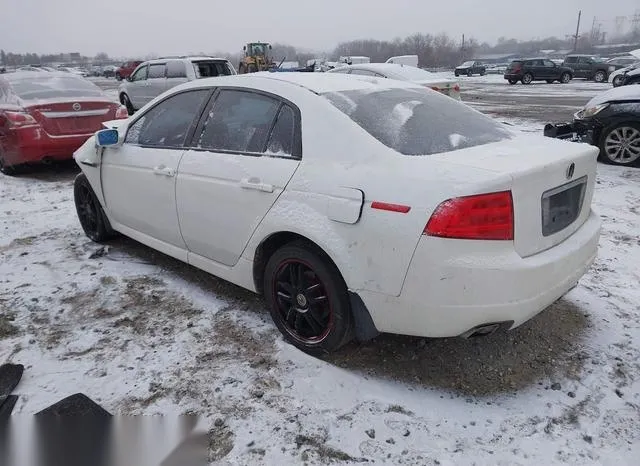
(373, 254)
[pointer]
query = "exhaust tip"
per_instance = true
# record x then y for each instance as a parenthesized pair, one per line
(485, 329)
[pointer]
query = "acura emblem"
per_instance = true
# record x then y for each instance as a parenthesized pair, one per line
(76, 106)
(570, 169)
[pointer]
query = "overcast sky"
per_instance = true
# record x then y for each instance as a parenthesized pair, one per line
(142, 27)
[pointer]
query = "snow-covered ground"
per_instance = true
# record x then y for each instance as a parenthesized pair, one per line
(141, 333)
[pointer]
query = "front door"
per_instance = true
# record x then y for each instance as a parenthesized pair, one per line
(136, 87)
(243, 154)
(139, 177)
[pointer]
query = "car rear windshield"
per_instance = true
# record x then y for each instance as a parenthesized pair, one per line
(211, 68)
(418, 121)
(48, 87)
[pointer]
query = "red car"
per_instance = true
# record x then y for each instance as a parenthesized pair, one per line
(126, 69)
(47, 116)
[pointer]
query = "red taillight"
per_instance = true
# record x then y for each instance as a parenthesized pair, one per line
(20, 119)
(456, 88)
(484, 216)
(122, 113)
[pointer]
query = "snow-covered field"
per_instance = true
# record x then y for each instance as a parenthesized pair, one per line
(141, 333)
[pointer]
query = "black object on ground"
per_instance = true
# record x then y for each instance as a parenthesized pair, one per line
(7, 407)
(10, 375)
(74, 405)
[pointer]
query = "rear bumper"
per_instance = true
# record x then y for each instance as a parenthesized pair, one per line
(453, 286)
(34, 145)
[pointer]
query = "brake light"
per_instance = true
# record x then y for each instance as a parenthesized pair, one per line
(456, 88)
(121, 113)
(20, 119)
(484, 217)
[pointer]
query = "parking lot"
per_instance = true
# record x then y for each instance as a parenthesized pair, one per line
(142, 333)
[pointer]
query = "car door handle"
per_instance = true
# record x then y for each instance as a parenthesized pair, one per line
(164, 171)
(254, 183)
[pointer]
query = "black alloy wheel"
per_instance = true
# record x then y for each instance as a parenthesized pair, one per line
(308, 299)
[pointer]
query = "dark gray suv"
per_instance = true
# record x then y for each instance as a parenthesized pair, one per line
(589, 67)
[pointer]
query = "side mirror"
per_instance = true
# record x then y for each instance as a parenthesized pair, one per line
(107, 137)
(270, 48)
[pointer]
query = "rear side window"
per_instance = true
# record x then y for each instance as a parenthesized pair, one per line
(176, 69)
(156, 71)
(239, 121)
(168, 123)
(46, 87)
(282, 136)
(418, 122)
(571, 60)
(209, 69)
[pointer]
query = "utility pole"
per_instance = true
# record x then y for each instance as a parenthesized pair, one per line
(575, 38)
(462, 48)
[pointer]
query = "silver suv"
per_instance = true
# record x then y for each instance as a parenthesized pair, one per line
(153, 77)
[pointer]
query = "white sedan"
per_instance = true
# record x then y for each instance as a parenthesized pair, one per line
(355, 207)
(406, 73)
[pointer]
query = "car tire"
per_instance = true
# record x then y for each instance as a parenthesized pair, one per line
(456, 74)
(482, 73)
(124, 100)
(565, 78)
(92, 218)
(118, 77)
(617, 80)
(527, 78)
(469, 73)
(613, 152)
(513, 81)
(600, 76)
(297, 275)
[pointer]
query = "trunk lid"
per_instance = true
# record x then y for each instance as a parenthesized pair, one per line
(552, 185)
(72, 117)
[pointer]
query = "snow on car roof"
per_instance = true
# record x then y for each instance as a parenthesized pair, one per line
(631, 92)
(21, 75)
(319, 83)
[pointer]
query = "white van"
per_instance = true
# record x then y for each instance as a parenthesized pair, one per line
(409, 60)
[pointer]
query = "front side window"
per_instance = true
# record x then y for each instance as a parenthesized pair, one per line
(414, 121)
(549, 63)
(156, 71)
(140, 74)
(239, 121)
(168, 123)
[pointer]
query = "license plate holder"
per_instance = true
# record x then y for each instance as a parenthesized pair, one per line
(561, 206)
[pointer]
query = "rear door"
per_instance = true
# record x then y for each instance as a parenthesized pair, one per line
(139, 177)
(176, 73)
(242, 156)
(157, 81)
(584, 67)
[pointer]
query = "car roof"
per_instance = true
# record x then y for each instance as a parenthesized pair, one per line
(194, 58)
(318, 83)
(20, 75)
